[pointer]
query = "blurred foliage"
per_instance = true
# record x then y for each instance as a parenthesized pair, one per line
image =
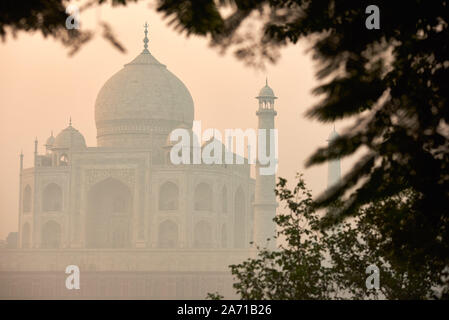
(296, 271)
(393, 81)
(316, 263)
(214, 296)
(49, 18)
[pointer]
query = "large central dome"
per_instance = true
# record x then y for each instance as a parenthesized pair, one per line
(140, 102)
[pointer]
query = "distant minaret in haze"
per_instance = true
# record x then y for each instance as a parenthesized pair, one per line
(334, 168)
(265, 199)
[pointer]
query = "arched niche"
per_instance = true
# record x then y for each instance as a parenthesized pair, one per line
(109, 208)
(63, 160)
(52, 198)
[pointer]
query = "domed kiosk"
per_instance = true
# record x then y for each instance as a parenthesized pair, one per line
(69, 138)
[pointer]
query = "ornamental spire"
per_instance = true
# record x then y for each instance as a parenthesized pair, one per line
(145, 40)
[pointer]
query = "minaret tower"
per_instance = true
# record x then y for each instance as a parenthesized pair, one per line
(334, 169)
(265, 199)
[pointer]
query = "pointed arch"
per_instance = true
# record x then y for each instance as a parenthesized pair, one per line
(52, 198)
(63, 160)
(109, 208)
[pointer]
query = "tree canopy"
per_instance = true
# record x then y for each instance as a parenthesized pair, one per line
(393, 82)
(48, 17)
(312, 263)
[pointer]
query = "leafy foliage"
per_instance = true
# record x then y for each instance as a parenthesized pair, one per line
(313, 263)
(214, 296)
(49, 18)
(295, 271)
(394, 79)
(369, 240)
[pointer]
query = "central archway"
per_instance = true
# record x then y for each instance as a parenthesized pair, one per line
(108, 215)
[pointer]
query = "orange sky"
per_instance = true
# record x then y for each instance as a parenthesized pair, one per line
(41, 87)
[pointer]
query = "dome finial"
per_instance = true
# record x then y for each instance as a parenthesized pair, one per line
(266, 81)
(145, 40)
(70, 121)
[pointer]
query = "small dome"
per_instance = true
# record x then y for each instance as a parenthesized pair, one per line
(70, 138)
(266, 91)
(50, 141)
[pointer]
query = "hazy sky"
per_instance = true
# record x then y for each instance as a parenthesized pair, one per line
(41, 87)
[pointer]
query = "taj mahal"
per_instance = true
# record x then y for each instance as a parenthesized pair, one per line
(137, 225)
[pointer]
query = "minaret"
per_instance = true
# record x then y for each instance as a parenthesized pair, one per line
(334, 169)
(265, 199)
